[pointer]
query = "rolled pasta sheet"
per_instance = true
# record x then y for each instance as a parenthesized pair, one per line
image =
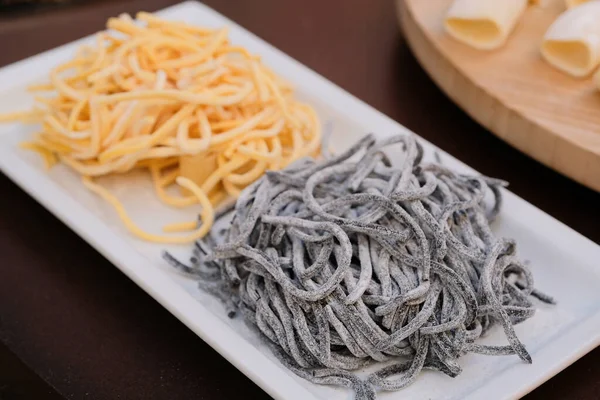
(575, 3)
(483, 24)
(572, 44)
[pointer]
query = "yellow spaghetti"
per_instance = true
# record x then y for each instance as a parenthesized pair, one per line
(178, 100)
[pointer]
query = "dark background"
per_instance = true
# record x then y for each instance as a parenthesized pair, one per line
(72, 326)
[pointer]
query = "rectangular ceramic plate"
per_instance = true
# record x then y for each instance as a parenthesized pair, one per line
(564, 262)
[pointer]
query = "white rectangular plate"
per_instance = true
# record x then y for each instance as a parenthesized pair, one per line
(564, 262)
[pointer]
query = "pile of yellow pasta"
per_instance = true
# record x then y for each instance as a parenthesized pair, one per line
(178, 100)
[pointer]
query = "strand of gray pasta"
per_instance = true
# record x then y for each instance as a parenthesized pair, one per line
(359, 225)
(382, 270)
(460, 340)
(412, 153)
(437, 365)
(407, 377)
(419, 193)
(365, 271)
(363, 392)
(497, 204)
(363, 170)
(483, 229)
(394, 209)
(263, 308)
(335, 230)
(300, 323)
(357, 324)
(402, 276)
(448, 363)
(475, 333)
(515, 312)
(264, 193)
(543, 297)
(452, 324)
(444, 348)
(466, 232)
(283, 280)
(344, 334)
(320, 262)
(445, 312)
(353, 226)
(417, 322)
(358, 331)
(306, 237)
(294, 182)
(462, 190)
(313, 205)
(324, 334)
(363, 143)
(486, 280)
(489, 350)
(378, 146)
(392, 304)
(527, 280)
(479, 188)
(439, 244)
(468, 294)
(286, 321)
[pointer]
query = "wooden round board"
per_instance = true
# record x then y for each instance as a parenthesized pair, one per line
(512, 91)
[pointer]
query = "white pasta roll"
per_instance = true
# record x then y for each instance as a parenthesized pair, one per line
(575, 3)
(483, 24)
(572, 44)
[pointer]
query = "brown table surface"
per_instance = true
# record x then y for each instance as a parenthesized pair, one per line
(89, 332)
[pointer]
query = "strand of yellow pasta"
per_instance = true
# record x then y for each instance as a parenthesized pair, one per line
(207, 213)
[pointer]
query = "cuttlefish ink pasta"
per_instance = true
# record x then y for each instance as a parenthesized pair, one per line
(353, 262)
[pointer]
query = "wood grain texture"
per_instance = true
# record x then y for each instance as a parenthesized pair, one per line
(512, 91)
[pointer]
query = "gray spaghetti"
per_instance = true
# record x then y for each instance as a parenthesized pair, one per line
(350, 261)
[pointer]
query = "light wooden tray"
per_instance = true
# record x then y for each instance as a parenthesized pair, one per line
(512, 91)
